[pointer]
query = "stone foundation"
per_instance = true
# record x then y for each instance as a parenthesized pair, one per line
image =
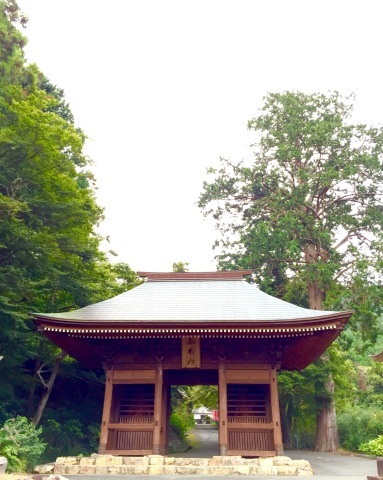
(167, 465)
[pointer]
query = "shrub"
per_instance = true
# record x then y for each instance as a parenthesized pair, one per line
(359, 426)
(373, 447)
(69, 438)
(179, 425)
(20, 444)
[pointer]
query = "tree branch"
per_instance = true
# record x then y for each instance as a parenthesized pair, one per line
(350, 196)
(345, 239)
(347, 267)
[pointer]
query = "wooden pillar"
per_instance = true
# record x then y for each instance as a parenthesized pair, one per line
(106, 411)
(222, 391)
(158, 427)
(164, 423)
(275, 411)
(167, 415)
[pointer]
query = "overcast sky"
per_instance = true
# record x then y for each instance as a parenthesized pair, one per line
(163, 88)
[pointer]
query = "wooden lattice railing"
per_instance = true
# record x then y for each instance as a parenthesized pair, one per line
(250, 443)
(129, 420)
(247, 419)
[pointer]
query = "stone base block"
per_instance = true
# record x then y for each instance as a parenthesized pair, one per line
(162, 465)
(44, 469)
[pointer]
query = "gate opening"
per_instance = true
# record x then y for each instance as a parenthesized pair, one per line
(193, 422)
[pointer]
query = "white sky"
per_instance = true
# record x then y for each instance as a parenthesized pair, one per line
(163, 88)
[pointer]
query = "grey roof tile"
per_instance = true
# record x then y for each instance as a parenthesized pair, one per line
(190, 300)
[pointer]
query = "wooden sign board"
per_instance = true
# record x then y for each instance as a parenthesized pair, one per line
(191, 352)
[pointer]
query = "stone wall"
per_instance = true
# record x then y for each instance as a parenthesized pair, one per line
(166, 465)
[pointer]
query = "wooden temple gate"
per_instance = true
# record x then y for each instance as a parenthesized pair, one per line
(207, 328)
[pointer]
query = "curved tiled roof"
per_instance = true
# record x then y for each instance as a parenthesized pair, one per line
(191, 300)
(211, 305)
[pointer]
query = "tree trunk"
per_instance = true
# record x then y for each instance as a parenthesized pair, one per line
(48, 386)
(29, 407)
(316, 296)
(327, 438)
(286, 430)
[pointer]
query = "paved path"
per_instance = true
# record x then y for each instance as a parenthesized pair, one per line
(205, 439)
(334, 465)
(326, 466)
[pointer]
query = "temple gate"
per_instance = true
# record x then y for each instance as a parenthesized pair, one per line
(204, 328)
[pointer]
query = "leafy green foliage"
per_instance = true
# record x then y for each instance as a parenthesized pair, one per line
(359, 424)
(372, 393)
(201, 395)
(307, 211)
(373, 447)
(71, 437)
(125, 278)
(20, 443)
(71, 419)
(179, 267)
(180, 424)
(11, 42)
(303, 394)
(181, 420)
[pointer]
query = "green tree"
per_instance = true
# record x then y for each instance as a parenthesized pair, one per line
(50, 255)
(20, 443)
(126, 278)
(179, 267)
(201, 396)
(11, 42)
(48, 245)
(307, 212)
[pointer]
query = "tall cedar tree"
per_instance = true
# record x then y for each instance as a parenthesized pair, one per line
(307, 211)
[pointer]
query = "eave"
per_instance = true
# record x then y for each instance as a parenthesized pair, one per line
(341, 317)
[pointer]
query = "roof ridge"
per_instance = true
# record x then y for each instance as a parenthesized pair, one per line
(181, 276)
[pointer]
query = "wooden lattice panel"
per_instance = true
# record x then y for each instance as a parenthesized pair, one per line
(247, 401)
(250, 429)
(134, 440)
(250, 443)
(137, 401)
(132, 420)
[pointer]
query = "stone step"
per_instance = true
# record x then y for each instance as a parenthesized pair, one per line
(167, 465)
